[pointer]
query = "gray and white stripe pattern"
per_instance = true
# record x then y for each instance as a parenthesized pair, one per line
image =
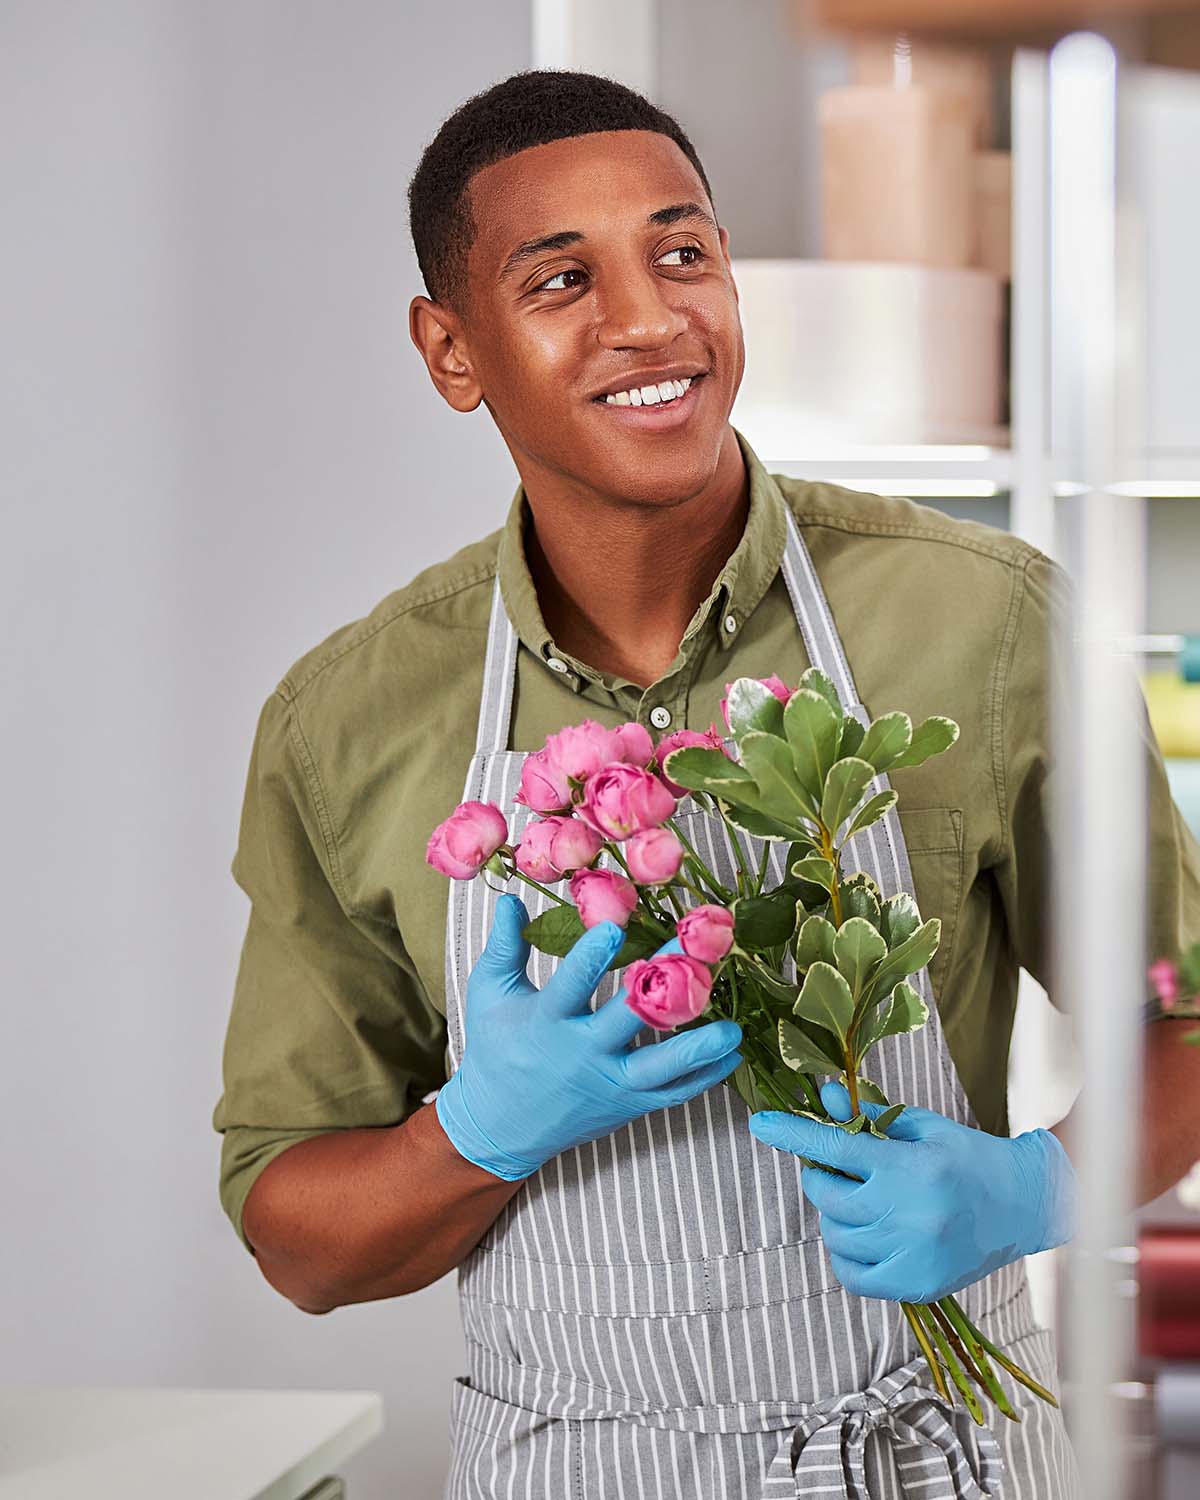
(653, 1314)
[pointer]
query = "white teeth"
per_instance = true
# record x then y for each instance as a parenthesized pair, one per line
(650, 395)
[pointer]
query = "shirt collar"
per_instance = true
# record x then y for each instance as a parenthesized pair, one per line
(738, 588)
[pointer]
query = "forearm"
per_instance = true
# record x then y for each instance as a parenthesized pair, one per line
(1168, 1112)
(361, 1215)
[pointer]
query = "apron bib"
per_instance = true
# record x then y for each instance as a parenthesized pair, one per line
(653, 1314)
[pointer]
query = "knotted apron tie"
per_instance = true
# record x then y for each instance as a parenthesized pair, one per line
(825, 1454)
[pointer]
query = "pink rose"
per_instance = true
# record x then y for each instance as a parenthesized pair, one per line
(668, 990)
(620, 800)
(685, 739)
(706, 933)
(603, 896)
(1165, 979)
(575, 845)
(580, 749)
(654, 856)
(544, 785)
(777, 687)
(534, 854)
(637, 748)
(463, 844)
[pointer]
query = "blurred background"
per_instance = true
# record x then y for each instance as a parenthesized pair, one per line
(216, 435)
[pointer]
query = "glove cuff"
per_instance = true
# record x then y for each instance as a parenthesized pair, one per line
(469, 1140)
(1055, 1184)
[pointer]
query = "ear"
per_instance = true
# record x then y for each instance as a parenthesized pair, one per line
(441, 342)
(724, 233)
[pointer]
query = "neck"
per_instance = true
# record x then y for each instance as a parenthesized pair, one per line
(619, 592)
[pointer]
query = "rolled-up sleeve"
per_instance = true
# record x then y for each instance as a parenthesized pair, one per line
(330, 1027)
(1032, 692)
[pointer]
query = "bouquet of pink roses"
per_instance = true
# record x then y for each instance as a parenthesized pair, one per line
(1176, 986)
(814, 969)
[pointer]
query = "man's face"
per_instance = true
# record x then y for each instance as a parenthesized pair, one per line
(637, 291)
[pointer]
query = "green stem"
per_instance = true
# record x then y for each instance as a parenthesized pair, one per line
(948, 1309)
(529, 880)
(1005, 1363)
(931, 1359)
(970, 1399)
(746, 881)
(762, 868)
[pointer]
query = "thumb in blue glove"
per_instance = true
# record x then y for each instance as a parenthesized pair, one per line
(938, 1206)
(542, 1072)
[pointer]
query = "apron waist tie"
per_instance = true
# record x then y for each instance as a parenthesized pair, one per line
(823, 1447)
(825, 1453)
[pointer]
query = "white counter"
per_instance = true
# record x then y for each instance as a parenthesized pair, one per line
(110, 1443)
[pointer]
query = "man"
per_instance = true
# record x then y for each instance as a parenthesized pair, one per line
(649, 1305)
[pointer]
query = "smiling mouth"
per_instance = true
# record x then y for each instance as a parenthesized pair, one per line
(651, 403)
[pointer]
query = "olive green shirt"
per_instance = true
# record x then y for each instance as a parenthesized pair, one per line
(338, 1015)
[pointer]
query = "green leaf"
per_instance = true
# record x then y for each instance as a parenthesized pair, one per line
(769, 761)
(871, 811)
(930, 737)
(853, 1127)
(858, 951)
(904, 1012)
(555, 931)
(813, 730)
(870, 1091)
(814, 943)
(886, 740)
(908, 957)
(851, 737)
(703, 770)
(899, 919)
(798, 1052)
(761, 922)
(860, 897)
(751, 705)
(816, 681)
(640, 942)
(826, 999)
(825, 1042)
(845, 784)
(881, 1123)
(760, 825)
(777, 988)
(815, 868)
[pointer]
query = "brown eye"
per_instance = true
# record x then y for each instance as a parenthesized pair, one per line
(548, 286)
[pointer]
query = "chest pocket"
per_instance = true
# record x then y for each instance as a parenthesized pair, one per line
(934, 836)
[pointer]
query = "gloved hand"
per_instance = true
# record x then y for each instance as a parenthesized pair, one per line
(541, 1072)
(940, 1205)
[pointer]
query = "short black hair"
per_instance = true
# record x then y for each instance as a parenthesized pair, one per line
(527, 109)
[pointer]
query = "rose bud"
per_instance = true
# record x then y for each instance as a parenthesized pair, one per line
(1165, 979)
(706, 933)
(580, 749)
(653, 856)
(544, 786)
(637, 748)
(463, 844)
(620, 800)
(782, 692)
(534, 854)
(685, 739)
(575, 845)
(668, 990)
(603, 896)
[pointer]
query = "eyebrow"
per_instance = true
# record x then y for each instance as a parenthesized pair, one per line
(675, 213)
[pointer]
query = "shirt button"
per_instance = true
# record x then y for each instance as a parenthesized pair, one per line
(556, 664)
(660, 717)
(730, 624)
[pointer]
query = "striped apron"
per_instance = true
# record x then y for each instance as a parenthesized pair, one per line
(653, 1314)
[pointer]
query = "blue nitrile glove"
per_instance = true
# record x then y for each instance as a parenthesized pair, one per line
(541, 1072)
(940, 1205)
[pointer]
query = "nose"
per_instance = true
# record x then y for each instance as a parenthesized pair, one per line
(636, 312)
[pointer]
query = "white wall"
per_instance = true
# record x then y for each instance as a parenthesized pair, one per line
(218, 444)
